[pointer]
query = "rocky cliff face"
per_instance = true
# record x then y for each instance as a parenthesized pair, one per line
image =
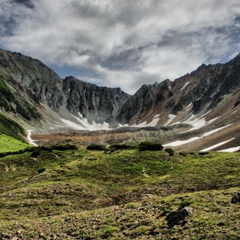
(197, 93)
(43, 92)
(146, 102)
(39, 83)
(197, 104)
(32, 91)
(97, 104)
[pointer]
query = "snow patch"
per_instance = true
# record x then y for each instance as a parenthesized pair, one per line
(215, 130)
(216, 145)
(195, 122)
(198, 122)
(170, 119)
(233, 149)
(181, 142)
(30, 140)
(153, 123)
(85, 125)
(185, 85)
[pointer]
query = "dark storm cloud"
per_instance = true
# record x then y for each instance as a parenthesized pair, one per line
(122, 43)
(27, 3)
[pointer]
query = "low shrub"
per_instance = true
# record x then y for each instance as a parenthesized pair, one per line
(41, 170)
(36, 152)
(121, 147)
(143, 146)
(203, 153)
(97, 147)
(184, 154)
(170, 151)
(61, 147)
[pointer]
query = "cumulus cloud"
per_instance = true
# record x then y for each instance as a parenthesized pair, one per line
(120, 43)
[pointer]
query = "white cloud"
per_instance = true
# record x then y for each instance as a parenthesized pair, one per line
(124, 43)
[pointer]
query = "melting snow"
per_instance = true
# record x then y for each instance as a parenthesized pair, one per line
(217, 145)
(32, 142)
(181, 142)
(145, 124)
(198, 122)
(215, 130)
(85, 125)
(195, 122)
(171, 117)
(233, 149)
(185, 85)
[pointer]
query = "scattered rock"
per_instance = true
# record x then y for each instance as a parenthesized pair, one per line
(67, 219)
(177, 217)
(4, 236)
(236, 198)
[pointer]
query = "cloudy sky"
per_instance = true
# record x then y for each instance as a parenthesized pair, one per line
(122, 43)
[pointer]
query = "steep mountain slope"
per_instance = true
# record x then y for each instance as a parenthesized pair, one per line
(192, 107)
(12, 135)
(45, 98)
(97, 104)
(197, 93)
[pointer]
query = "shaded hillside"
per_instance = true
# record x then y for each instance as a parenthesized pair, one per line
(11, 128)
(46, 99)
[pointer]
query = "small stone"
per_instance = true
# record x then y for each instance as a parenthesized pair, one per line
(19, 231)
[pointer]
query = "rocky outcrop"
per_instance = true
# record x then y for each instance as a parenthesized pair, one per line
(39, 86)
(147, 101)
(98, 104)
(38, 83)
(178, 217)
(236, 198)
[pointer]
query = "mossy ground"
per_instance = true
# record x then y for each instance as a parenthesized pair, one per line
(124, 194)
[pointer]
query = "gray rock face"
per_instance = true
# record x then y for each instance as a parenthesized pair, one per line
(204, 88)
(148, 97)
(41, 84)
(28, 87)
(95, 103)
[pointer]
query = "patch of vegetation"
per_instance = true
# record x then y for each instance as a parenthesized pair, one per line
(170, 151)
(121, 147)
(128, 194)
(10, 145)
(150, 146)
(97, 147)
(11, 128)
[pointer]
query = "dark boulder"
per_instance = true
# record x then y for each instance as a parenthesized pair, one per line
(178, 217)
(236, 198)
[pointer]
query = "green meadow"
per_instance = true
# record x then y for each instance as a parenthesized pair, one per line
(62, 192)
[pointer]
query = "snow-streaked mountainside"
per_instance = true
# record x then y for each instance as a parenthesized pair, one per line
(201, 105)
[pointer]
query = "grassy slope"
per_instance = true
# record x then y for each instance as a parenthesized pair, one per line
(11, 135)
(121, 195)
(10, 144)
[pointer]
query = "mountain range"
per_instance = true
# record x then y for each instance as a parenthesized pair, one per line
(198, 111)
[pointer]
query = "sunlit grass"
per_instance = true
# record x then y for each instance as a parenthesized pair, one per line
(10, 144)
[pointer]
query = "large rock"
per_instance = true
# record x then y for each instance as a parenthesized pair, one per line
(178, 217)
(236, 198)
